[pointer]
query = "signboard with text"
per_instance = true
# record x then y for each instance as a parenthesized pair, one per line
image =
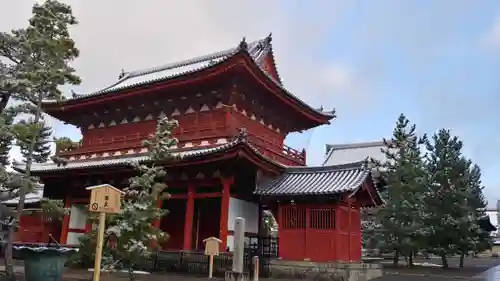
(105, 198)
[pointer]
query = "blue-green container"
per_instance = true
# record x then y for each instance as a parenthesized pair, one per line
(44, 262)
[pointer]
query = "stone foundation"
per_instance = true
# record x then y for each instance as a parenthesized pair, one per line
(325, 271)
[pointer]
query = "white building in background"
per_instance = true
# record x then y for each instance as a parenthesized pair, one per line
(498, 215)
(338, 154)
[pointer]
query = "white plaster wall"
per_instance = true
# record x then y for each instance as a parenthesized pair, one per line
(73, 238)
(247, 210)
(230, 242)
(78, 216)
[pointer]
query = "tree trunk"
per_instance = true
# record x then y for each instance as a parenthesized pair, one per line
(462, 258)
(4, 100)
(410, 259)
(395, 258)
(9, 264)
(8, 261)
(131, 274)
(444, 261)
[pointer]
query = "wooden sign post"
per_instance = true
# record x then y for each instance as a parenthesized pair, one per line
(104, 199)
(211, 250)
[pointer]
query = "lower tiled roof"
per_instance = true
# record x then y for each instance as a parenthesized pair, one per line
(34, 197)
(323, 180)
(81, 164)
(124, 160)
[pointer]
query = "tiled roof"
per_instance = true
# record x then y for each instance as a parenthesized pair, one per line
(353, 152)
(126, 160)
(34, 197)
(257, 50)
(323, 180)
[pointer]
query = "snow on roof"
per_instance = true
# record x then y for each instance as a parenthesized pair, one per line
(33, 197)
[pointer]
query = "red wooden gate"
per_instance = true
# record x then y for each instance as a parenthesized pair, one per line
(319, 232)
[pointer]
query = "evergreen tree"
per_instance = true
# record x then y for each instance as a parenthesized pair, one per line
(446, 214)
(474, 239)
(270, 226)
(39, 146)
(132, 232)
(6, 137)
(398, 223)
(373, 236)
(35, 62)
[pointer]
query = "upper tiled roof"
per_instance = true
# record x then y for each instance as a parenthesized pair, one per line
(347, 153)
(257, 50)
(323, 180)
(126, 160)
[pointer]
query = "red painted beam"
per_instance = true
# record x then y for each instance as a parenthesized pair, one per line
(196, 195)
(77, 230)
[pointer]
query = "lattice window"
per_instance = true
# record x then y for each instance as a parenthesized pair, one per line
(322, 218)
(293, 218)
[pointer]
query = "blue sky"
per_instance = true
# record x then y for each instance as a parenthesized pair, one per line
(438, 62)
(432, 61)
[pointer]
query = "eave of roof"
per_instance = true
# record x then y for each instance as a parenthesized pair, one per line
(354, 145)
(322, 180)
(34, 197)
(128, 160)
(485, 224)
(257, 51)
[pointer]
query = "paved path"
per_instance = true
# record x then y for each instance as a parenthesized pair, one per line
(492, 274)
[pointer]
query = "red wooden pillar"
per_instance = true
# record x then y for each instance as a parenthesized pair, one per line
(224, 212)
(350, 226)
(188, 220)
(338, 231)
(65, 224)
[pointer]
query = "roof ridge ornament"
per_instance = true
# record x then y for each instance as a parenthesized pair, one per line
(122, 74)
(242, 135)
(243, 45)
(74, 94)
(269, 38)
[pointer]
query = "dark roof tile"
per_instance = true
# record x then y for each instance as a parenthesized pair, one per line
(323, 180)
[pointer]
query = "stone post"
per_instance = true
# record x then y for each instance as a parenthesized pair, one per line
(239, 244)
(237, 273)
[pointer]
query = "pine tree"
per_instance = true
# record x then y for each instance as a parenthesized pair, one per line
(6, 138)
(270, 226)
(373, 236)
(132, 232)
(39, 147)
(474, 239)
(35, 62)
(398, 222)
(446, 213)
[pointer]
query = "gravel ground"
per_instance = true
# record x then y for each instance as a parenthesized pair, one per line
(473, 268)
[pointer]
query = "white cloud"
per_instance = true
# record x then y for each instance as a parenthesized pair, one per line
(339, 77)
(491, 39)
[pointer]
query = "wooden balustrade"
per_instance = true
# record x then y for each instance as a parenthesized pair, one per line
(200, 126)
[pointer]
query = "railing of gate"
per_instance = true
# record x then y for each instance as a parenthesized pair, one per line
(196, 263)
